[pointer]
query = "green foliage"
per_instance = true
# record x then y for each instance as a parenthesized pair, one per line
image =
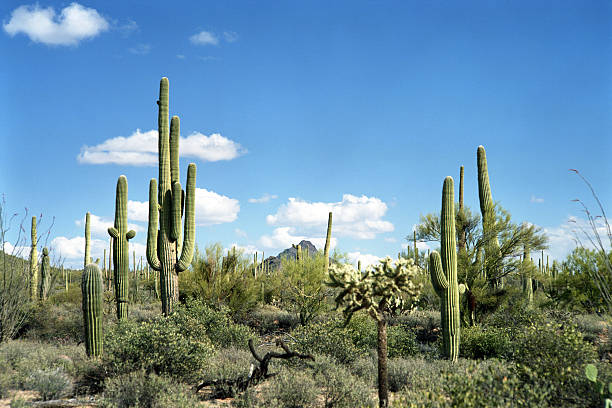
(142, 390)
(401, 342)
(339, 387)
(291, 388)
(485, 342)
(50, 384)
(222, 281)
(160, 346)
(54, 323)
(227, 364)
(302, 286)
(268, 319)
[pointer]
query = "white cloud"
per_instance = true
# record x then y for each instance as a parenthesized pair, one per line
(535, 199)
(138, 210)
(246, 249)
(390, 239)
(283, 237)
(204, 38)
(21, 251)
(212, 208)
(356, 217)
(140, 49)
(98, 226)
(240, 233)
(366, 259)
(263, 199)
(72, 250)
(421, 246)
(74, 23)
(230, 36)
(140, 149)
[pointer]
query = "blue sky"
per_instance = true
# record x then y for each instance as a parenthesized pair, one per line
(292, 109)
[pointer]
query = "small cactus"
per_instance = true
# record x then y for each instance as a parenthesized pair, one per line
(45, 274)
(91, 287)
(444, 274)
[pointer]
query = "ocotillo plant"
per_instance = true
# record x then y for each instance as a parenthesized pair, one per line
(165, 208)
(327, 241)
(91, 287)
(444, 273)
(121, 256)
(87, 241)
(34, 263)
(487, 208)
(45, 274)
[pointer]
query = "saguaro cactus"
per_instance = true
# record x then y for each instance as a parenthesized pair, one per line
(444, 273)
(327, 241)
(87, 241)
(91, 287)
(527, 273)
(487, 208)
(166, 208)
(121, 256)
(45, 274)
(34, 263)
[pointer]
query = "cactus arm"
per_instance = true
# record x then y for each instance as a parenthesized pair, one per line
(152, 257)
(175, 230)
(87, 240)
(112, 231)
(189, 234)
(130, 234)
(175, 126)
(438, 279)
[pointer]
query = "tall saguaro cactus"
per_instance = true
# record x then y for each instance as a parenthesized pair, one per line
(327, 241)
(34, 263)
(166, 208)
(92, 288)
(87, 241)
(527, 275)
(444, 274)
(121, 256)
(45, 274)
(487, 208)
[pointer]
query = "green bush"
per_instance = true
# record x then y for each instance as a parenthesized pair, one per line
(5, 381)
(366, 368)
(50, 384)
(227, 364)
(269, 319)
(485, 342)
(160, 346)
(401, 342)
(290, 389)
(340, 389)
(141, 390)
(56, 323)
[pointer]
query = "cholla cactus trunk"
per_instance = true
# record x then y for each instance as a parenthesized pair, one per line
(87, 260)
(527, 280)
(164, 240)
(45, 274)
(34, 263)
(92, 288)
(327, 242)
(444, 274)
(487, 210)
(121, 257)
(416, 250)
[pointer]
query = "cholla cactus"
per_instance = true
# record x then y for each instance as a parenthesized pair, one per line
(386, 287)
(45, 274)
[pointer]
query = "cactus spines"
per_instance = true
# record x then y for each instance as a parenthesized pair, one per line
(87, 241)
(45, 274)
(166, 208)
(327, 242)
(487, 209)
(34, 263)
(443, 270)
(91, 287)
(121, 257)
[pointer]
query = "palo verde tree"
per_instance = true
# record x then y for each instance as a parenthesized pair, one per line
(381, 290)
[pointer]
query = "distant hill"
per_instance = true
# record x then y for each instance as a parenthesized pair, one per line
(274, 262)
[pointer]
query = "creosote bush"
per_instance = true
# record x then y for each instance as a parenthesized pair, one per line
(50, 384)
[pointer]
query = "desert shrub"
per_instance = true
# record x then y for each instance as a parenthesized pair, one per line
(593, 327)
(227, 364)
(515, 314)
(73, 296)
(50, 384)
(484, 342)
(19, 403)
(142, 390)
(424, 323)
(56, 323)
(366, 368)
(333, 339)
(269, 319)
(558, 354)
(340, 388)
(160, 346)
(5, 381)
(291, 389)
(401, 342)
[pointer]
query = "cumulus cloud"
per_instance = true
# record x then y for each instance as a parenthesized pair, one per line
(355, 217)
(204, 38)
(21, 251)
(138, 210)
(263, 199)
(140, 149)
(535, 199)
(98, 226)
(240, 233)
(366, 259)
(72, 250)
(283, 237)
(212, 208)
(73, 24)
(245, 249)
